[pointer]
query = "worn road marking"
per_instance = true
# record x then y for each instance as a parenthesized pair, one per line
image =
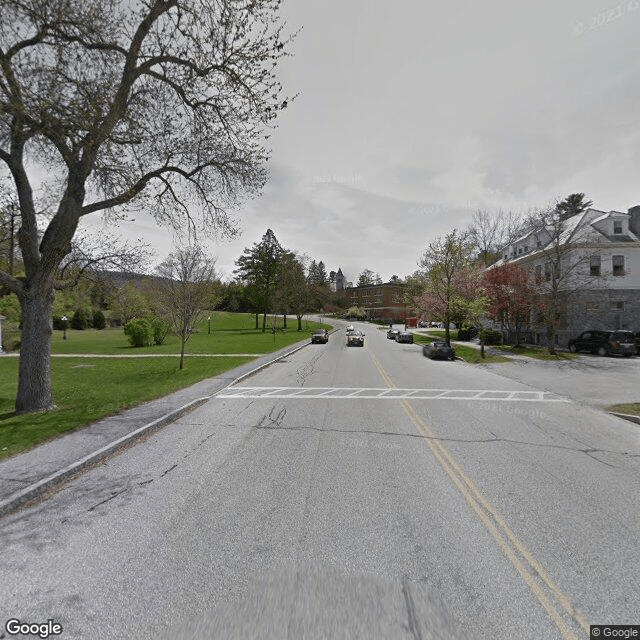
(554, 601)
(387, 393)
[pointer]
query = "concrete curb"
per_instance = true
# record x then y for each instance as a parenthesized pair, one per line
(626, 416)
(36, 489)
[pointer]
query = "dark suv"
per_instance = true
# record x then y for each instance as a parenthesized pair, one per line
(605, 343)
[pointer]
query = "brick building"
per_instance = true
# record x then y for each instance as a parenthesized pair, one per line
(380, 301)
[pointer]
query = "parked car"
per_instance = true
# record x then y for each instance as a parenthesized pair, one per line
(320, 336)
(423, 324)
(404, 336)
(392, 333)
(355, 339)
(439, 349)
(350, 327)
(605, 343)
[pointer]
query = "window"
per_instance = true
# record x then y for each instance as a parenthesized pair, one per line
(547, 271)
(519, 250)
(594, 265)
(617, 226)
(618, 265)
(538, 272)
(617, 305)
(592, 306)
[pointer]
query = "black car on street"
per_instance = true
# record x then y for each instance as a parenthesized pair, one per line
(605, 343)
(404, 336)
(438, 349)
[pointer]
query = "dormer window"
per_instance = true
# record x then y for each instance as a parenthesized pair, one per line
(526, 249)
(617, 226)
(519, 250)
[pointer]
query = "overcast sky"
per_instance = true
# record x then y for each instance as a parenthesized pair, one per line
(413, 114)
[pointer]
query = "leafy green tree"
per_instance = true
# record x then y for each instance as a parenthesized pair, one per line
(79, 321)
(152, 105)
(444, 260)
(366, 277)
(293, 292)
(129, 302)
(258, 269)
(318, 283)
(572, 205)
(139, 332)
(99, 321)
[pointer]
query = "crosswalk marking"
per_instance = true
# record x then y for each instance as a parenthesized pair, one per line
(350, 393)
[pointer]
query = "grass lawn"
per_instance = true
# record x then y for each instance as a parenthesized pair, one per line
(87, 389)
(541, 353)
(230, 333)
(632, 409)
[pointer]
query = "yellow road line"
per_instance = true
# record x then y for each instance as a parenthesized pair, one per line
(496, 525)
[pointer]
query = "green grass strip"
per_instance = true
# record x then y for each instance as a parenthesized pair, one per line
(88, 389)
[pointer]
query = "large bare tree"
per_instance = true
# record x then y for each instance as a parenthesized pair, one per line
(161, 105)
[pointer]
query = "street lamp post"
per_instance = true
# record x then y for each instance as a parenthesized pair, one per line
(64, 327)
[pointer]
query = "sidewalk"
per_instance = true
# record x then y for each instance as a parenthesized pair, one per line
(28, 475)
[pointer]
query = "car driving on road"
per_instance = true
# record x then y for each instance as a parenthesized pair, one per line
(404, 336)
(392, 333)
(355, 339)
(320, 336)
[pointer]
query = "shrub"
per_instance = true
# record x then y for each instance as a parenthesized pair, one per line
(489, 336)
(160, 329)
(99, 321)
(80, 320)
(139, 331)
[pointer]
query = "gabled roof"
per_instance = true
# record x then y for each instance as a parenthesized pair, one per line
(577, 229)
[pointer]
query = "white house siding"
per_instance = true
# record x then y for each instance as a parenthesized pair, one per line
(605, 302)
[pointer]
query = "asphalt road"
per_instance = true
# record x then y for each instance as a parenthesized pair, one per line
(346, 493)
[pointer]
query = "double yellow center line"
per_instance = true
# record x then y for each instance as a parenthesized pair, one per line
(554, 601)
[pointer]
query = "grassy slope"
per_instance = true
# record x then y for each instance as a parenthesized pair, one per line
(87, 389)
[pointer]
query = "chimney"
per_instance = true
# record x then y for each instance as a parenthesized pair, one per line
(634, 220)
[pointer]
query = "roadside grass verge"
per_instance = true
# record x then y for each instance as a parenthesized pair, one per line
(88, 389)
(540, 353)
(631, 409)
(468, 354)
(230, 333)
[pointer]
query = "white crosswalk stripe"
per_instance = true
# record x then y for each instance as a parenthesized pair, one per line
(389, 394)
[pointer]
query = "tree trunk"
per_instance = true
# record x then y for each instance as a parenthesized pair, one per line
(284, 320)
(257, 316)
(35, 392)
(183, 341)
